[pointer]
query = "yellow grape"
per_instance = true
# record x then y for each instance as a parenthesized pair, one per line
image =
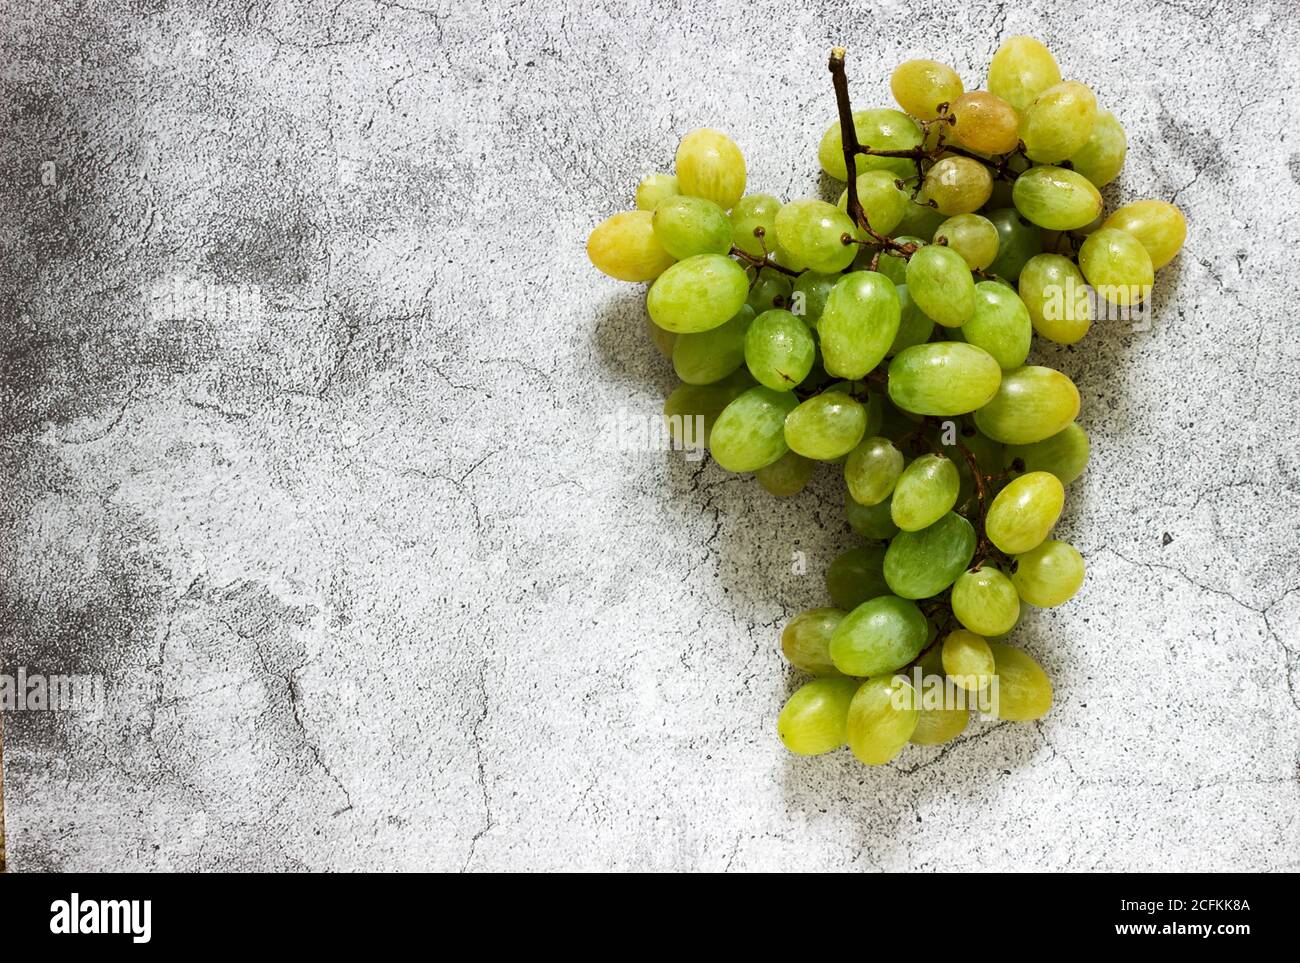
(710, 165)
(920, 86)
(882, 718)
(984, 122)
(1022, 69)
(1024, 691)
(814, 718)
(1158, 225)
(967, 659)
(625, 247)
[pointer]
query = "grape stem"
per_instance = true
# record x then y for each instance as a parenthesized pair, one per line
(761, 262)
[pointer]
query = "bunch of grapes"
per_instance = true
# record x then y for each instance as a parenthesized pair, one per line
(887, 335)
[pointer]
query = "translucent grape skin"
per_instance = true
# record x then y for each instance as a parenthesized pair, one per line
(984, 122)
(877, 727)
(1048, 575)
(968, 660)
(943, 378)
(1000, 325)
(870, 521)
(653, 189)
(985, 601)
(914, 325)
(708, 356)
(779, 350)
(1059, 122)
(1158, 225)
(815, 717)
(1024, 691)
(973, 237)
(882, 200)
(710, 165)
(880, 635)
(754, 212)
(810, 293)
(1021, 69)
(625, 247)
(786, 476)
(1018, 241)
(1032, 403)
(1056, 199)
(813, 232)
(1064, 454)
(1117, 266)
(1055, 293)
(1102, 157)
(872, 470)
(806, 639)
(687, 226)
(920, 86)
(924, 493)
(858, 324)
(940, 283)
(857, 576)
(750, 431)
(921, 564)
(697, 294)
(882, 129)
(1024, 513)
(957, 185)
(826, 426)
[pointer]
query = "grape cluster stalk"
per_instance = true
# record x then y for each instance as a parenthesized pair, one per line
(887, 337)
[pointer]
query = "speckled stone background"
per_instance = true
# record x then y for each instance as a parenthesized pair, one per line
(369, 585)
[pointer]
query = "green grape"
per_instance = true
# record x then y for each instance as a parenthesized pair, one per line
(625, 247)
(786, 476)
(894, 266)
(1052, 288)
(921, 86)
(1158, 225)
(810, 294)
(870, 521)
(882, 717)
(921, 564)
(973, 237)
(941, 285)
(1000, 325)
(750, 431)
(710, 165)
(690, 411)
(709, 356)
(925, 492)
(881, 200)
(1117, 266)
(985, 601)
(697, 294)
(687, 226)
(815, 718)
(879, 635)
(754, 213)
(914, 325)
(968, 660)
(937, 726)
(1055, 198)
(779, 350)
(943, 378)
(653, 189)
(1031, 404)
(1059, 122)
(984, 123)
(919, 221)
(1018, 241)
(882, 129)
(1064, 454)
(858, 324)
(1024, 691)
(856, 576)
(1022, 69)
(814, 231)
(664, 341)
(957, 185)
(872, 470)
(806, 640)
(1047, 575)
(771, 289)
(826, 426)
(1101, 159)
(1024, 512)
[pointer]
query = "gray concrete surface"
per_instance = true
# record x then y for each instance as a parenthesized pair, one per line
(369, 587)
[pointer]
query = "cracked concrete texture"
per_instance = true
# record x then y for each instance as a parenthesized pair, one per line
(371, 589)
